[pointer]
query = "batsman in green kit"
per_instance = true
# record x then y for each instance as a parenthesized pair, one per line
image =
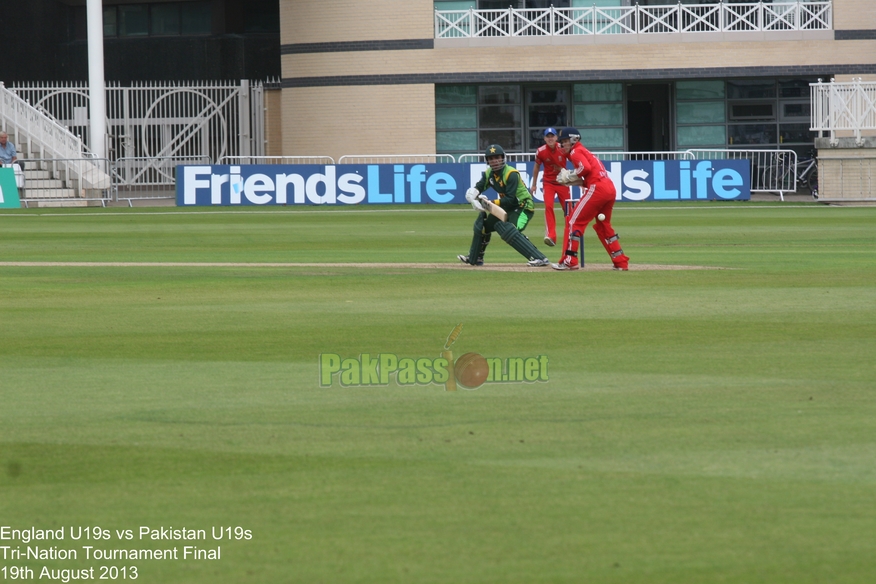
(517, 202)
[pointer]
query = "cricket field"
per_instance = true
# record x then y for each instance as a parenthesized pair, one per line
(261, 395)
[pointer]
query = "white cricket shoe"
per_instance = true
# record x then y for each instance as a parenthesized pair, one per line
(568, 263)
(464, 259)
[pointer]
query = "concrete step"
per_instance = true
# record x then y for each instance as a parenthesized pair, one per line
(43, 183)
(30, 193)
(30, 203)
(36, 174)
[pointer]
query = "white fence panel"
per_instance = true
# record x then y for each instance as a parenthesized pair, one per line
(162, 119)
(636, 19)
(844, 107)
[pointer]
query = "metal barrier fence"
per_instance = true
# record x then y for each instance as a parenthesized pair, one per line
(276, 160)
(141, 177)
(618, 156)
(509, 157)
(772, 171)
(396, 159)
(67, 181)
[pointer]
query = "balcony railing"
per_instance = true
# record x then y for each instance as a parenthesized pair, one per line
(801, 15)
(844, 107)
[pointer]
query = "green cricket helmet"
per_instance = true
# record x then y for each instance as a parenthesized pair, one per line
(495, 156)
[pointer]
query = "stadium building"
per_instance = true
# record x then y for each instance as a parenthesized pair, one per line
(402, 77)
(144, 40)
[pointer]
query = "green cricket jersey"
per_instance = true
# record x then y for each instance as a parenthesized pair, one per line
(513, 194)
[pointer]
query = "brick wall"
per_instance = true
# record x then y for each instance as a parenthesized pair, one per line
(354, 20)
(333, 121)
(854, 15)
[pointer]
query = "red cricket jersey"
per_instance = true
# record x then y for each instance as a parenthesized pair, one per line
(585, 165)
(553, 161)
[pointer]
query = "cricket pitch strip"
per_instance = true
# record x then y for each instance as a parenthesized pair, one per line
(498, 267)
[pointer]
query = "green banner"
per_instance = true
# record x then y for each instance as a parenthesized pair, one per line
(8, 190)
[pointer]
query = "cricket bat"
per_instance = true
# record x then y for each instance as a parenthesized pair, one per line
(495, 210)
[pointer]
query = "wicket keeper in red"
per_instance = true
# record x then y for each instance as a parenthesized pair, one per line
(552, 157)
(597, 196)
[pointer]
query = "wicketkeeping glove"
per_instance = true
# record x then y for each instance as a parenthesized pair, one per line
(566, 177)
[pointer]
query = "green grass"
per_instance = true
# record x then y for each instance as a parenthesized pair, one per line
(698, 425)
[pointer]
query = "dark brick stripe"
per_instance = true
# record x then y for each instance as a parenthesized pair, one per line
(478, 78)
(348, 46)
(854, 35)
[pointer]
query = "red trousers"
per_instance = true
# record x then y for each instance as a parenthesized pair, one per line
(562, 192)
(595, 199)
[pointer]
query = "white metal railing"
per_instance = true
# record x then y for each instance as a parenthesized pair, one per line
(396, 159)
(843, 107)
(50, 139)
(797, 15)
(42, 131)
(315, 159)
(163, 119)
(509, 157)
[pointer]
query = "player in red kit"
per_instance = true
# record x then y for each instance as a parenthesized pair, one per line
(597, 196)
(552, 157)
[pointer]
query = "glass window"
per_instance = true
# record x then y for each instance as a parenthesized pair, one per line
(600, 138)
(456, 117)
(196, 18)
(699, 90)
(547, 115)
(794, 88)
(510, 140)
(457, 142)
(547, 96)
(499, 94)
(262, 16)
(110, 24)
(753, 134)
(547, 3)
(165, 19)
(455, 94)
(500, 116)
(796, 110)
(700, 112)
(702, 136)
(796, 133)
(751, 89)
(599, 114)
(753, 110)
(133, 20)
(455, 5)
(499, 5)
(598, 92)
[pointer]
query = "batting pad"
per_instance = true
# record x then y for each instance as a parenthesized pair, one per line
(518, 241)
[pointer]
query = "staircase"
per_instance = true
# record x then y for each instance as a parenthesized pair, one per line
(58, 172)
